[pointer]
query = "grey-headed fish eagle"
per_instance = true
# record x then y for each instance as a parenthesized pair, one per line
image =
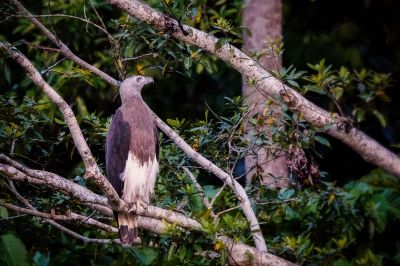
(132, 154)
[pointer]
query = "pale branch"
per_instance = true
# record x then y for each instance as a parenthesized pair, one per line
(64, 49)
(100, 208)
(155, 225)
(66, 16)
(138, 57)
(92, 169)
(84, 238)
(241, 254)
(53, 181)
(266, 84)
(231, 57)
(200, 190)
(217, 194)
(226, 211)
(51, 221)
(169, 216)
(61, 217)
(367, 147)
(52, 66)
(239, 191)
(117, 52)
(84, 195)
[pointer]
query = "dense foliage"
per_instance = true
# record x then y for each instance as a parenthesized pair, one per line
(324, 217)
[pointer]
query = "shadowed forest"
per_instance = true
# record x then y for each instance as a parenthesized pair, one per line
(339, 201)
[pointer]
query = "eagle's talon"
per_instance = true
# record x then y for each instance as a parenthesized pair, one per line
(136, 206)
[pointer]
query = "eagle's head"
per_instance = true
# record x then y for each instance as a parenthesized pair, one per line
(132, 87)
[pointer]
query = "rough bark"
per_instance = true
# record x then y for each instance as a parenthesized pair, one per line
(92, 169)
(152, 218)
(264, 21)
(268, 85)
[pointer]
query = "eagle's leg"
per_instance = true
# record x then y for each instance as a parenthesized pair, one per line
(138, 203)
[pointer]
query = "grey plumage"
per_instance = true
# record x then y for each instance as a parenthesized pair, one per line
(132, 153)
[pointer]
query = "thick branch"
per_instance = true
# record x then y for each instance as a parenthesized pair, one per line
(152, 222)
(57, 182)
(92, 170)
(51, 221)
(63, 48)
(53, 181)
(61, 217)
(241, 254)
(368, 148)
(229, 180)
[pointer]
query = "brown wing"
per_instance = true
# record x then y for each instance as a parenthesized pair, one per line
(117, 149)
(157, 142)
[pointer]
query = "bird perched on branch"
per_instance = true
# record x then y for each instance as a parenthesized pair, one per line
(132, 154)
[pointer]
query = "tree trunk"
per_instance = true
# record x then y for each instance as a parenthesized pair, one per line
(264, 20)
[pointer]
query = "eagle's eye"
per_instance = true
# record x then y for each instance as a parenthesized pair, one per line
(138, 79)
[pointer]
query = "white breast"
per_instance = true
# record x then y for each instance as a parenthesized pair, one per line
(139, 179)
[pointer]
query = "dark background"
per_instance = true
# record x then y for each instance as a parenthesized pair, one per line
(356, 34)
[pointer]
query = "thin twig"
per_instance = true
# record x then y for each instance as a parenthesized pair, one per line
(43, 72)
(92, 169)
(217, 195)
(64, 49)
(66, 16)
(138, 57)
(117, 52)
(13, 217)
(227, 210)
(367, 147)
(200, 189)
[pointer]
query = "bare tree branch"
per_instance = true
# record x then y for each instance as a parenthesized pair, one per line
(59, 183)
(154, 225)
(61, 217)
(84, 238)
(92, 169)
(240, 193)
(200, 189)
(64, 50)
(240, 254)
(32, 210)
(368, 148)
(66, 16)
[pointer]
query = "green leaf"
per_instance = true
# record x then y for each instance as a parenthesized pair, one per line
(286, 194)
(380, 117)
(341, 263)
(221, 43)
(13, 251)
(291, 214)
(145, 255)
(173, 122)
(322, 140)
(316, 89)
(7, 73)
(188, 62)
(3, 213)
(58, 121)
(40, 259)
(210, 191)
(337, 92)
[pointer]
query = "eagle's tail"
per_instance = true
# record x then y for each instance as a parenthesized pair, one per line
(128, 228)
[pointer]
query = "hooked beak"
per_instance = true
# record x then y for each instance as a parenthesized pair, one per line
(149, 80)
